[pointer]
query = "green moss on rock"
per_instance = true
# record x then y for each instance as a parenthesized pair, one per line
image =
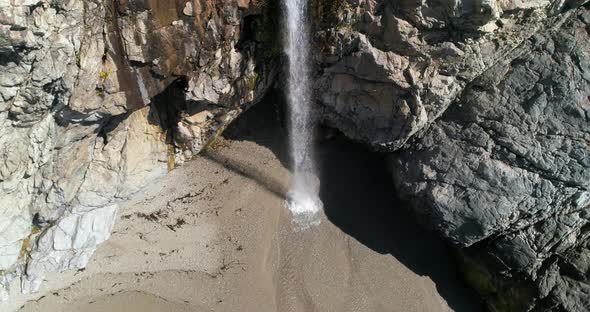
(500, 293)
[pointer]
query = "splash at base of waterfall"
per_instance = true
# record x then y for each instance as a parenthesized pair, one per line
(303, 200)
(305, 209)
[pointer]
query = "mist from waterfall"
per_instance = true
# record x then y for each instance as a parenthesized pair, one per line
(302, 199)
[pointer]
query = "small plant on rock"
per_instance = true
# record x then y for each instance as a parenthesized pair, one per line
(104, 75)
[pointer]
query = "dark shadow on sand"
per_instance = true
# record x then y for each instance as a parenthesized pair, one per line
(250, 172)
(357, 192)
(358, 196)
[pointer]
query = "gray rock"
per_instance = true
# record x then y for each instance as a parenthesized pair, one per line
(389, 70)
(485, 104)
(506, 167)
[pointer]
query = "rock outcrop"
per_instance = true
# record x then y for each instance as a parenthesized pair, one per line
(388, 70)
(81, 123)
(486, 106)
(506, 169)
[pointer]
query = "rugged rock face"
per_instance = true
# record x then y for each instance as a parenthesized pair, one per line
(484, 104)
(389, 69)
(506, 169)
(81, 123)
(487, 104)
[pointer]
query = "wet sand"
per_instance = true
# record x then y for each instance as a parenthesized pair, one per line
(214, 235)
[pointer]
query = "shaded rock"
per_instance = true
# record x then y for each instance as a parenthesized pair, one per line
(505, 169)
(486, 105)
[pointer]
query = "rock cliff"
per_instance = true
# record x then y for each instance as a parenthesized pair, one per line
(505, 170)
(484, 106)
(98, 98)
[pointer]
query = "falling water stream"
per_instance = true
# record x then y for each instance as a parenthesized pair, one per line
(303, 200)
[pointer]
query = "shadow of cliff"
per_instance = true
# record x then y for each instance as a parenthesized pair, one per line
(265, 124)
(357, 192)
(258, 176)
(358, 196)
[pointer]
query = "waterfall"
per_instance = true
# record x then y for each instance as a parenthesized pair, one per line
(303, 199)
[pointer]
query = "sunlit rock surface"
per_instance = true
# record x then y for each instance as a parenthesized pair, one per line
(81, 123)
(389, 69)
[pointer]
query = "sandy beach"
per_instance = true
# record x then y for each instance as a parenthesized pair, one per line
(214, 235)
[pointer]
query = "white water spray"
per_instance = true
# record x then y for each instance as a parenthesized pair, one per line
(303, 199)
